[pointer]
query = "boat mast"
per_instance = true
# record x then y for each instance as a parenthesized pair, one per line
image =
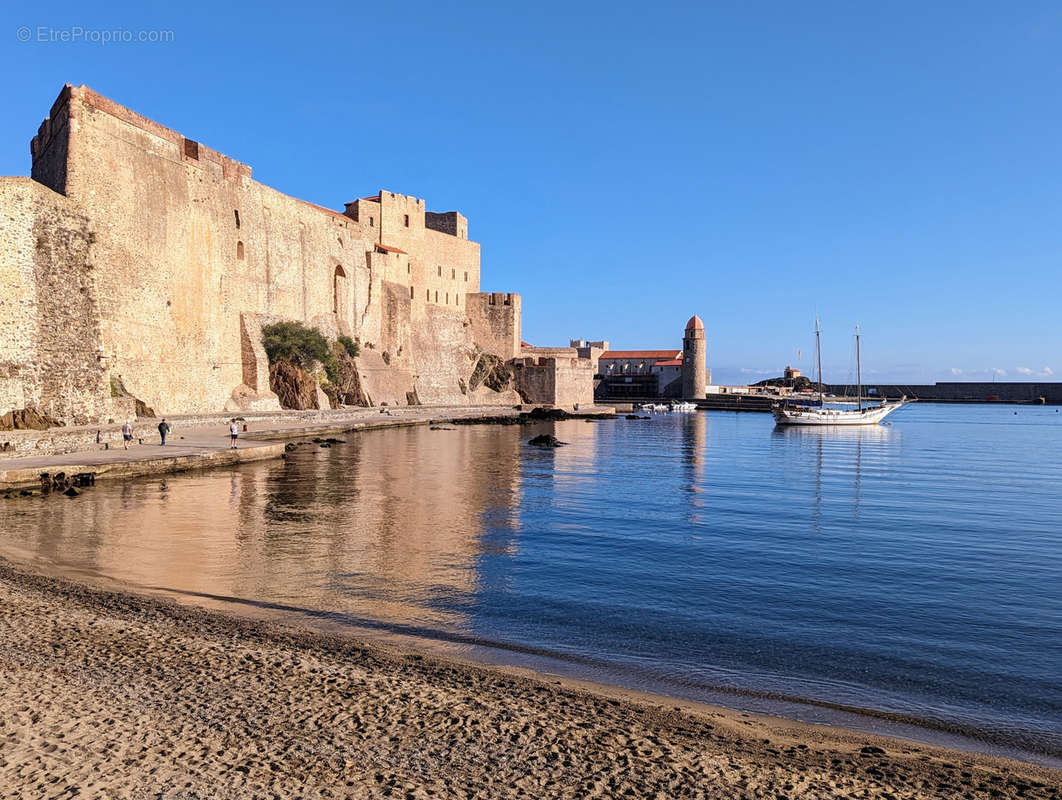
(818, 357)
(859, 374)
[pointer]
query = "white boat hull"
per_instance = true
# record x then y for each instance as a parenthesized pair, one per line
(833, 416)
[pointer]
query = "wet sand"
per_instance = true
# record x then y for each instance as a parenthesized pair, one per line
(109, 694)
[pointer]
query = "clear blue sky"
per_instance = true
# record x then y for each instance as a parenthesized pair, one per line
(627, 165)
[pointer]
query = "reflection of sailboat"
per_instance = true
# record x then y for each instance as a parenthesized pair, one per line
(789, 414)
(851, 433)
(832, 456)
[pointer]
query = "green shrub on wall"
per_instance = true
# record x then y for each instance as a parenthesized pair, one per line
(296, 343)
(349, 345)
(302, 346)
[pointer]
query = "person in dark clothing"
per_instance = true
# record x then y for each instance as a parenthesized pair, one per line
(164, 428)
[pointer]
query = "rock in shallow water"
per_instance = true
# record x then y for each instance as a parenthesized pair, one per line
(545, 440)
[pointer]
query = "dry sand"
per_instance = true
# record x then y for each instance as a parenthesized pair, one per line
(106, 694)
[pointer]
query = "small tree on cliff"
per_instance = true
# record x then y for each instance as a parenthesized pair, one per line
(351, 347)
(294, 350)
(295, 343)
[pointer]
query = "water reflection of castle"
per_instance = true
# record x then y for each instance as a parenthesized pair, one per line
(380, 527)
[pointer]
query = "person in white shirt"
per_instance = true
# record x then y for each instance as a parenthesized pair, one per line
(234, 432)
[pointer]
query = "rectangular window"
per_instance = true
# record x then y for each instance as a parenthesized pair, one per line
(436, 295)
(466, 277)
(427, 295)
(410, 292)
(372, 222)
(453, 273)
(191, 148)
(447, 298)
(237, 213)
(440, 271)
(407, 220)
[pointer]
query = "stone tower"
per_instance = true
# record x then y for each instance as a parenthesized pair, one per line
(694, 360)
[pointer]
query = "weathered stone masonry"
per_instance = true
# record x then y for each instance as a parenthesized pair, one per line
(50, 346)
(139, 263)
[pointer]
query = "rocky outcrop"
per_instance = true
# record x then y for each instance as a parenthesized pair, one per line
(119, 392)
(295, 387)
(546, 440)
(347, 388)
(245, 398)
(27, 419)
(490, 371)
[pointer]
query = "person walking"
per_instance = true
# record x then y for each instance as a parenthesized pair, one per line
(127, 434)
(234, 433)
(164, 428)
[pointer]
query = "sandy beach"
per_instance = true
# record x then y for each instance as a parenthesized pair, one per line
(109, 694)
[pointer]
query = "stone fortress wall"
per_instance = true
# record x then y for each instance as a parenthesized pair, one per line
(140, 264)
(49, 310)
(495, 320)
(555, 380)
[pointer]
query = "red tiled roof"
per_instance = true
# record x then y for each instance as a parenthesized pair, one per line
(526, 344)
(671, 362)
(655, 355)
(387, 249)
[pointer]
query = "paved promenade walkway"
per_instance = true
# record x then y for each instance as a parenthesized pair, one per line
(204, 446)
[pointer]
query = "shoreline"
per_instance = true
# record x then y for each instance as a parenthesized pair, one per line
(605, 678)
(382, 718)
(206, 446)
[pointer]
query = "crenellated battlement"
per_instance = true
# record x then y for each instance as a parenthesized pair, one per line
(554, 380)
(495, 320)
(405, 211)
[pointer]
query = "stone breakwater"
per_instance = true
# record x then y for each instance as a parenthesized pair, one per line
(111, 694)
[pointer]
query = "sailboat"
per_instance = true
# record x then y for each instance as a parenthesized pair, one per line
(785, 414)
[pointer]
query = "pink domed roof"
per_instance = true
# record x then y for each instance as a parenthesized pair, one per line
(695, 324)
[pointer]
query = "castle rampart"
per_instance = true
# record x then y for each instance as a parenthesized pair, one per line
(51, 357)
(495, 319)
(175, 257)
(561, 382)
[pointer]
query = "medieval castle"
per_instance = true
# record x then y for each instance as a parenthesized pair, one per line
(138, 267)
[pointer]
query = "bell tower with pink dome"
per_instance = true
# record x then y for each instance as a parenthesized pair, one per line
(694, 360)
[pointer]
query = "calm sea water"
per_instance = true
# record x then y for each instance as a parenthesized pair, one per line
(913, 568)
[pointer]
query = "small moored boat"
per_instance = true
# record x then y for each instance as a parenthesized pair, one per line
(655, 407)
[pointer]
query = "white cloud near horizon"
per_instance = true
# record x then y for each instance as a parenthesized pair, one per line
(727, 374)
(1044, 372)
